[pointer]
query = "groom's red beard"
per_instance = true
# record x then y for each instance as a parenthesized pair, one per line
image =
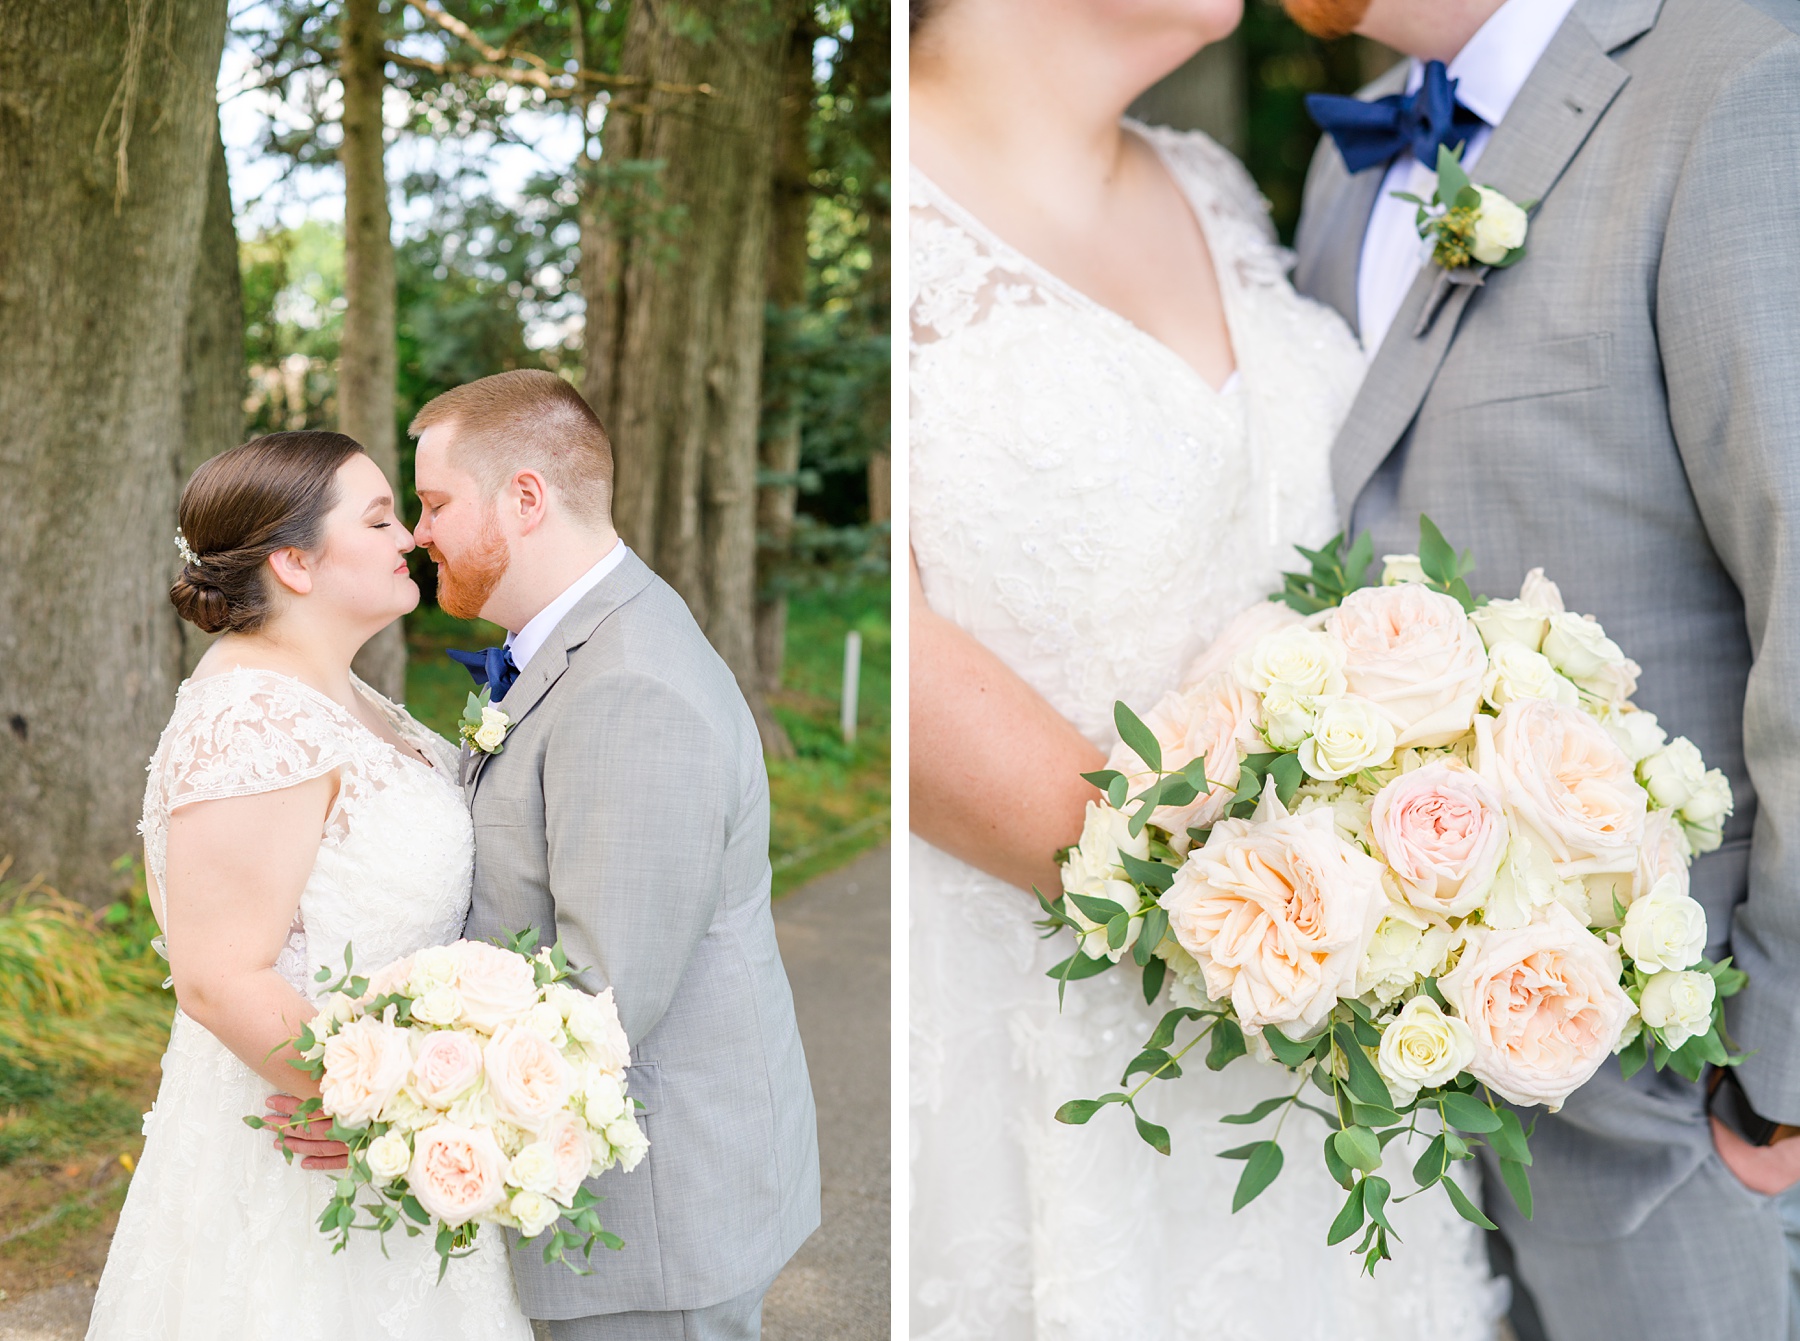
(464, 587)
(1327, 19)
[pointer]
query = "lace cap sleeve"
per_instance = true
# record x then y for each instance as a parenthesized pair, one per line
(243, 733)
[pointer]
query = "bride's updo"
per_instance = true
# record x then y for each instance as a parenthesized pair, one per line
(239, 508)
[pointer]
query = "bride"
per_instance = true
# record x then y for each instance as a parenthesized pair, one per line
(1121, 418)
(291, 811)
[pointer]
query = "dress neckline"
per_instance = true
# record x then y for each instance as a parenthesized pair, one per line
(966, 219)
(332, 705)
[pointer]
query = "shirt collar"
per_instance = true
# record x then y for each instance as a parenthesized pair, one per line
(527, 641)
(1495, 63)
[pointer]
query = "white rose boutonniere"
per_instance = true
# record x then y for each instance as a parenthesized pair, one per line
(1468, 224)
(483, 725)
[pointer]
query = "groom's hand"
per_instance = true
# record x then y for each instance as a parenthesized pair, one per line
(306, 1138)
(1768, 1169)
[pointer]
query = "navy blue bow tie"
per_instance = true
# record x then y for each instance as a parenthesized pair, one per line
(491, 666)
(1372, 133)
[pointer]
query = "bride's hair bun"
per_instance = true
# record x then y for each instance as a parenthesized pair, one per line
(239, 508)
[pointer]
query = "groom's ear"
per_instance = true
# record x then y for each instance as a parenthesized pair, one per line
(529, 494)
(289, 567)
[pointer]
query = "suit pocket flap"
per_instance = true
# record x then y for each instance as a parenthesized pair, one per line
(498, 812)
(643, 1082)
(1529, 371)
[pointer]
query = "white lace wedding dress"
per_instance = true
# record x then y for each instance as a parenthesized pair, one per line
(1093, 511)
(219, 1238)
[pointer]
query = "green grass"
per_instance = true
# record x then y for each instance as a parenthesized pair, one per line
(827, 804)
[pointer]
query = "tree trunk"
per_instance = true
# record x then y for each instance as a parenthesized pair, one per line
(107, 125)
(212, 373)
(790, 208)
(675, 289)
(870, 75)
(366, 358)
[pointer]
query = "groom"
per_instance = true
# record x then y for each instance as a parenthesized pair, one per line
(627, 812)
(1621, 406)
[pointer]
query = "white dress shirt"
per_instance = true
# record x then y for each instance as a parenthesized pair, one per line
(1491, 69)
(525, 643)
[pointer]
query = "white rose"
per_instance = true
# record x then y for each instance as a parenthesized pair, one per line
(545, 1018)
(1093, 870)
(1286, 720)
(1406, 947)
(1413, 653)
(1299, 660)
(1510, 622)
(1679, 1004)
(1525, 883)
(492, 732)
(594, 1023)
(388, 1156)
(1580, 649)
(1665, 929)
(1635, 731)
(366, 1062)
(1541, 593)
(1515, 671)
(1398, 568)
(1349, 733)
(1421, 1048)
(435, 966)
(1674, 773)
(441, 1005)
(602, 1100)
(628, 1142)
(1703, 817)
(1633, 1027)
(534, 1211)
(1499, 227)
(533, 1168)
(337, 1009)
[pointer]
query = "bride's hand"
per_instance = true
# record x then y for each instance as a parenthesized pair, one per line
(306, 1138)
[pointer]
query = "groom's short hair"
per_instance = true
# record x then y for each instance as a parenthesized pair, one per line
(527, 419)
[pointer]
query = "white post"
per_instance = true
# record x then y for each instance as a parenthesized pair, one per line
(852, 676)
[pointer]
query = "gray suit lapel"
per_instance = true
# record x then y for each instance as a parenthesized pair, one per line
(552, 659)
(1568, 92)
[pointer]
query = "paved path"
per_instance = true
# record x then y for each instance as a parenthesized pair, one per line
(834, 941)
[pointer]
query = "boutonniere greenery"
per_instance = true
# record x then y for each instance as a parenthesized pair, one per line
(1468, 224)
(483, 725)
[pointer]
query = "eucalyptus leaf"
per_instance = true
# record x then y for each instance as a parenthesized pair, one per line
(1364, 1081)
(1154, 972)
(1227, 1045)
(1430, 1166)
(1078, 1111)
(1154, 1136)
(1464, 1207)
(1349, 1219)
(1341, 1172)
(1257, 1114)
(1140, 738)
(1286, 1050)
(1098, 911)
(1375, 1195)
(1518, 1182)
(1259, 1172)
(1358, 1148)
(1467, 1113)
(1155, 874)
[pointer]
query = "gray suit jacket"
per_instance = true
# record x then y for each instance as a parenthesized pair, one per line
(1622, 407)
(629, 814)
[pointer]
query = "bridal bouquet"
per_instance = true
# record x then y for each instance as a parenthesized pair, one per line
(473, 1086)
(1418, 847)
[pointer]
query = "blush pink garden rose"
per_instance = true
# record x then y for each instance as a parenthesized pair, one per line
(527, 1077)
(1413, 653)
(1567, 784)
(366, 1062)
(445, 1063)
(1278, 912)
(1543, 1003)
(1442, 831)
(567, 1137)
(457, 1173)
(496, 986)
(1217, 719)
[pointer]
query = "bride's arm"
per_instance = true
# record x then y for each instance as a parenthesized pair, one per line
(996, 771)
(235, 871)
